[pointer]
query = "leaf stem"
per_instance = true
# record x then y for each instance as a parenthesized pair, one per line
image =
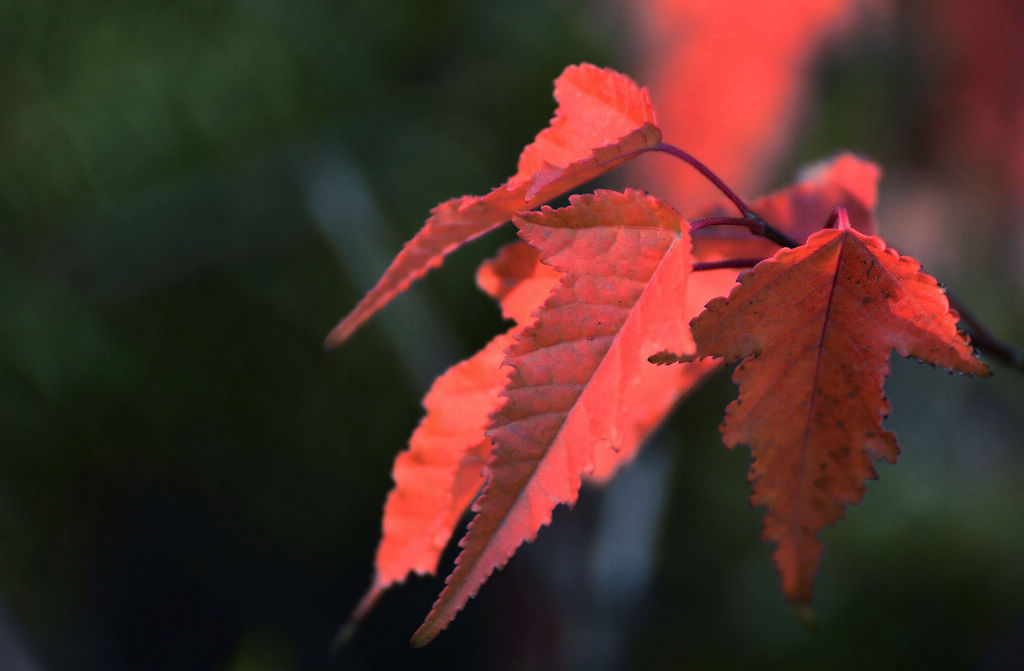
(686, 157)
(778, 237)
(984, 340)
(725, 221)
(726, 263)
(753, 223)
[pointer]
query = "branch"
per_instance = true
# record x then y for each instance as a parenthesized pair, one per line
(984, 340)
(756, 224)
(672, 150)
(726, 263)
(753, 223)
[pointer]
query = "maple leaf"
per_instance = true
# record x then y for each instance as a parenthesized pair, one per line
(441, 472)
(798, 210)
(603, 119)
(580, 393)
(814, 326)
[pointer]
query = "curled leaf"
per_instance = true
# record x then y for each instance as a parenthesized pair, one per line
(603, 119)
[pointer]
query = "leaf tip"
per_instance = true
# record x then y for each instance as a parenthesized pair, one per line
(666, 358)
(338, 335)
(423, 635)
(342, 638)
(348, 629)
(804, 613)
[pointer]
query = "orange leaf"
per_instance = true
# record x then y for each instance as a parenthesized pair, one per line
(441, 472)
(581, 391)
(815, 325)
(602, 120)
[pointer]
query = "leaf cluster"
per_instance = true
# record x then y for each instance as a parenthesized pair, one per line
(620, 307)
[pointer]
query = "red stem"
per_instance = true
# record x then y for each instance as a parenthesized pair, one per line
(753, 223)
(672, 150)
(983, 339)
(726, 263)
(748, 224)
(756, 225)
(980, 336)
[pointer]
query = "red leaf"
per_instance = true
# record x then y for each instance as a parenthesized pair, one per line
(798, 211)
(441, 472)
(503, 277)
(602, 120)
(517, 280)
(581, 391)
(816, 325)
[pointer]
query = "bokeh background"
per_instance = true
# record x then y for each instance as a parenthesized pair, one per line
(193, 193)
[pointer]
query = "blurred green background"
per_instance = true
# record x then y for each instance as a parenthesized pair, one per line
(193, 193)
